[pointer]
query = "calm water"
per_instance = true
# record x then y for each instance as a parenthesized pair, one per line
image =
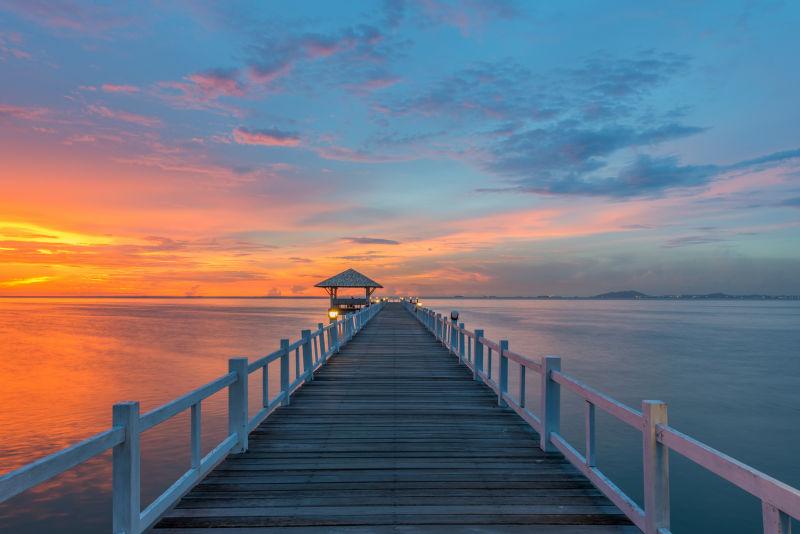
(729, 371)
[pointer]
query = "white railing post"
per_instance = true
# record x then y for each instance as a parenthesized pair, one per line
(335, 335)
(551, 402)
(308, 367)
(656, 468)
(589, 432)
(461, 342)
(453, 337)
(322, 350)
(774, 520)
(126, 474)
(237, 404)
(197, 432)
(503, 373)
(478, 356)
(285, 372)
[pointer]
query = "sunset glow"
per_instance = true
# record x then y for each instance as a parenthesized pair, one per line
(441, 148)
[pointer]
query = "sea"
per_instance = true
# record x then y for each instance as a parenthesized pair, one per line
(729, 371)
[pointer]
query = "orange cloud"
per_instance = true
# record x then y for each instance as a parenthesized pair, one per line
(26, 281)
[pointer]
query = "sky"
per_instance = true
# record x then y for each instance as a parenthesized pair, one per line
(439, 147)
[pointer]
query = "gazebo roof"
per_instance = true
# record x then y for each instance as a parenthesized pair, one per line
(348, 278)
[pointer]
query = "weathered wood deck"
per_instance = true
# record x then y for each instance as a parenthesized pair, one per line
(393, 435)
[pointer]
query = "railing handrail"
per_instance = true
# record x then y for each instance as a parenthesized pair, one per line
(779, 500)
(123, 436)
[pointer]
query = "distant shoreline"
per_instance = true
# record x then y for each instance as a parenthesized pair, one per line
(713, 296)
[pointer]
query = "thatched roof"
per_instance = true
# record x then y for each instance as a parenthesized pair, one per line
(348, 278)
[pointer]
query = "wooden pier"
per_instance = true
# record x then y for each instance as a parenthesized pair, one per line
(393, 435)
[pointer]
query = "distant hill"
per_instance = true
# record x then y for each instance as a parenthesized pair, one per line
(622, 295)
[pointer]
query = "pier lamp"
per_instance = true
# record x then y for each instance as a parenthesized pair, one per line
(454, 315)
(333, 313)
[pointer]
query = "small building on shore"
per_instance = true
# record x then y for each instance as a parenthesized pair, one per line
(349, 279)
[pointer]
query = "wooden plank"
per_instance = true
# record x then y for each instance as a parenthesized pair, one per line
(393, 435)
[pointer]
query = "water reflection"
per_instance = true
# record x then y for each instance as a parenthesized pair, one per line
(728, 370)
(65, 362)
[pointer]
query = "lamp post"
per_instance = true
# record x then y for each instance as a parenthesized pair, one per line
(333, 313)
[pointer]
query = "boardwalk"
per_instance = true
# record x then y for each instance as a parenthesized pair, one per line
(394, 436)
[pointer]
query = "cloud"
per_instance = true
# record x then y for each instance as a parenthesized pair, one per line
(346, 57)
(609, 77)
(207, 85)
(265, 137)
(70, 15)
(10, 46)
(601, 88)
(374, 81)
(469, 15)
(494, 90)
(393, 13)
(204, 89)
(113, 88)
(560, 158)
(125, 116)
(26, 281)
(215, 82)
(644, 176)
(370, 241)
(689, 240)
(21, 112)
(348, 216)
(340, 153)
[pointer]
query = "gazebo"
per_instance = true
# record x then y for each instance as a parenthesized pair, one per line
(348, 279)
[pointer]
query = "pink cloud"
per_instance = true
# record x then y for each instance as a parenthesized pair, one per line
(69, 15)
(112, 88)
(23, 113)
(9, 46)
(217, 82)
(375, 83)
(125, 116)
(202, 90)
(265, 137)
(468, 15)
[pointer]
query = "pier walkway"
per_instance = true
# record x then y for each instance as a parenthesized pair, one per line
(393, 435)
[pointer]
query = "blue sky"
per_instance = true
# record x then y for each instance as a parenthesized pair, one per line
(471, 147)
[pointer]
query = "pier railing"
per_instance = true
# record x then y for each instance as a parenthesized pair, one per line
(779, 501)
(310, 352)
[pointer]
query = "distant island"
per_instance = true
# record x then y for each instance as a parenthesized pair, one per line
(630, 294)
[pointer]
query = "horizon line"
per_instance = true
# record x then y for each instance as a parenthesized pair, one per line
(709, 296)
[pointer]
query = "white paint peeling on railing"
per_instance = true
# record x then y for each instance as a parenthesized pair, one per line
(123, 437)
(779, 500)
